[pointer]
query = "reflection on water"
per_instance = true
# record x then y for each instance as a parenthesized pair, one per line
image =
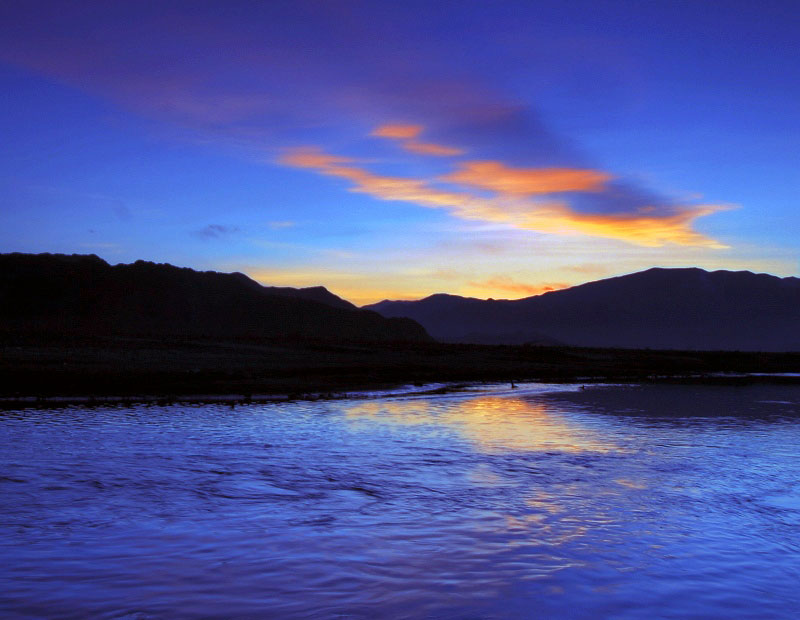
(606, 502)
(494, 424)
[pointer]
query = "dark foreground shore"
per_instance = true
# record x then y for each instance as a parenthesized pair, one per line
(131, 368)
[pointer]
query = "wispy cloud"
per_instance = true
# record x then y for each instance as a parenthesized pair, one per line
(647, 225)
(215, 231)
(407, 135)
(497, 177)
(429, 148)
(280, 225)
(245, 81)
(397, 131)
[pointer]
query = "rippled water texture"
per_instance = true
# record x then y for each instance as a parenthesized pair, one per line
(623, 502)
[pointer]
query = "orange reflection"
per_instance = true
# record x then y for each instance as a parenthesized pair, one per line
(548, 513)
(494, 424)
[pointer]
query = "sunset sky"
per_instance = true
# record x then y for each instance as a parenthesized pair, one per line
(399, 149)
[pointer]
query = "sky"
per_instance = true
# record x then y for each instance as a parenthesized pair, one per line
(399, 149)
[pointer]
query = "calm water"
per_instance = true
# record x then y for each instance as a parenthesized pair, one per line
(623, 502)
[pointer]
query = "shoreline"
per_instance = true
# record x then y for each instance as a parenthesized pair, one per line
(405, 390)
(90, 371)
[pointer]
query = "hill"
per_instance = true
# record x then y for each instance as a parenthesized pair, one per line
(83, 295)
(688, 309)
(312, 293)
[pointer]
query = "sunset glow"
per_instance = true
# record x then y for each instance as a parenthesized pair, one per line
(402, 150)
(647, 226)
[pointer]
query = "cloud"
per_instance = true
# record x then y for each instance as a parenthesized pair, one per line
(382, 187)
(240, 78)
(216, 231)
(428, 148)
(397, 131)
(313, 157)
(642, 228)
(505, 283)
(280, 225)
(497, 177)
(648, 225)
(407, 134)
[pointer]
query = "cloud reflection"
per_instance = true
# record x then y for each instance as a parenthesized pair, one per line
(494, 424)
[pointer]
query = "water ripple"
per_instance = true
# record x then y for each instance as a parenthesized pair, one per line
(619, 502)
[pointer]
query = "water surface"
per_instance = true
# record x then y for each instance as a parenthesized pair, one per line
(623, 502)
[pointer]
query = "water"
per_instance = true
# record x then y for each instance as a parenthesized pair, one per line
(623, 502)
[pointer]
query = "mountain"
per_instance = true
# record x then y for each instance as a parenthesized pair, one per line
(469, 320)
(312, 293)
(82, 294)
(688, 309)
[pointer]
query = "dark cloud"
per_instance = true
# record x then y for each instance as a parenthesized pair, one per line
(216, 231)
(122, 212)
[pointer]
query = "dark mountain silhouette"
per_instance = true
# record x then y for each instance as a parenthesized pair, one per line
(79, 294)
(312, 293)
(469, 320)
(689, 309)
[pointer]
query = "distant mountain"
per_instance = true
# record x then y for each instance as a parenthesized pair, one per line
(82, 294)
(469, 320)
(659, 308)
(312, 293)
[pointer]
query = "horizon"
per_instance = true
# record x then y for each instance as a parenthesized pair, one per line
(387, 152)
(362, 305)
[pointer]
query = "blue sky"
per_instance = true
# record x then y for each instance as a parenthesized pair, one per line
(394, 150)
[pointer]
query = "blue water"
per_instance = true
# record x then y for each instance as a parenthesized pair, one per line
(552, 502)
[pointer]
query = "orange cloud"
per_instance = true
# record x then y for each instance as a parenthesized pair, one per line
(378, 186)
(428, 148)
(497, 177)
(397, 131)
(647, 226)
(505, 283)
(312, 157)
(642, 229)
(408, 133)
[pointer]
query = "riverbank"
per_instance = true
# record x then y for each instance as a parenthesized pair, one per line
(94, 370)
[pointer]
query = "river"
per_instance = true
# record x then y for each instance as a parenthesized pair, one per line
(537, 502)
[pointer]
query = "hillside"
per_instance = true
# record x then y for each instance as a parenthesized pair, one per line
(689, 309)
(83, 295)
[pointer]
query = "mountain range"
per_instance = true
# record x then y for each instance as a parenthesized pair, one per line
(689, 309)
(686, 309)
(84, 295)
